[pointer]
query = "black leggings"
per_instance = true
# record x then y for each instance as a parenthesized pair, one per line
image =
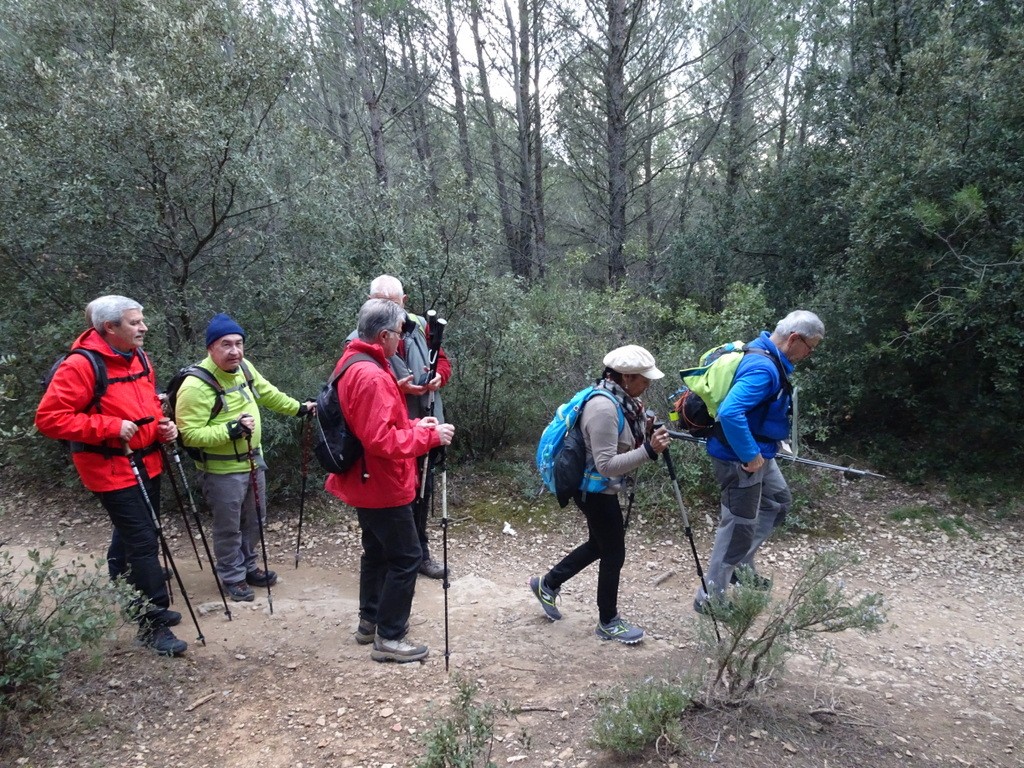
(607, 543)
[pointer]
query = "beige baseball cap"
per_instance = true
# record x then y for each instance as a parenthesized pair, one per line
(633, 359)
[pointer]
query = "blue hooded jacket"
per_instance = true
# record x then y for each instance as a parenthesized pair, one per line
(745, 412)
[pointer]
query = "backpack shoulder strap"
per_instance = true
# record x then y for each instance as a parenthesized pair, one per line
(99, 373)
(783, 378)
(610, 396)
(246, 371)
(144, 373)
(204, 376)
(358, 357)
(209, 380)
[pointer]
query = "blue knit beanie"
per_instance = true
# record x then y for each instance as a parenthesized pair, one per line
(222, 325)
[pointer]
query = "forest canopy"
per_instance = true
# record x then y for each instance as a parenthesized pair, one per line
(555, 178)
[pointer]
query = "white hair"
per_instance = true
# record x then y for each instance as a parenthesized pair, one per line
(802, 322)
(387, 287)
(109, 309)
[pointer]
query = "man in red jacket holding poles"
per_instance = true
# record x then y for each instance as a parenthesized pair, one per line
(382, 484)
(126, 413)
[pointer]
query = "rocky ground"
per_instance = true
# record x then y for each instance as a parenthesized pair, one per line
(941, 684)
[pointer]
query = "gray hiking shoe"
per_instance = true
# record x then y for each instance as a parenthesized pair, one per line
(240, 592)
(399, 651)
(432, 569)
(621, 630)
(546, 597)
(367, 631)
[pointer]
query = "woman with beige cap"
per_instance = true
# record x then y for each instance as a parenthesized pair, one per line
(613, 430)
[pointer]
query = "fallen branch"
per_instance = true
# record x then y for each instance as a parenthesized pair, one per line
(199, 702)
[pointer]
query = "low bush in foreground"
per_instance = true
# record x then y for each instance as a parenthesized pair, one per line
(745, 642)
(47, 612)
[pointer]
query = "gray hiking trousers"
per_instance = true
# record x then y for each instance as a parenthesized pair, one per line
(752, 506)
(236, 532)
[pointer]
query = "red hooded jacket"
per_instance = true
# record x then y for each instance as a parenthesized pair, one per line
(375, 412)
(62, 413)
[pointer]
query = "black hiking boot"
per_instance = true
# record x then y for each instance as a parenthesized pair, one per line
(260, 578)
(161, 640)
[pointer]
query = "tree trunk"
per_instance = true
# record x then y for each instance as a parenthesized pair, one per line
(462, 124)
(370, 94)
(737, 110)
(504, 208)
(615, 90)
(780, 145)
(417, 113)
(520, 78)
(539, 222)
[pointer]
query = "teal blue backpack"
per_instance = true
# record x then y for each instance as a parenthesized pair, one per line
(562, 453)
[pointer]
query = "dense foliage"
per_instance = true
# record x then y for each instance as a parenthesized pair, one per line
(555, 181)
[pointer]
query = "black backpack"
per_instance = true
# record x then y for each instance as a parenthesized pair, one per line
(334, 446)
(174, 385)
(207, 378)
(99, 373)
(99, 388)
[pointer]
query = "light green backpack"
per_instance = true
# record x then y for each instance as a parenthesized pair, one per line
(695, 404)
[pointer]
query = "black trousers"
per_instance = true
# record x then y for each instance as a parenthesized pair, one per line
(135, 548)
(388, 568)
(607, 543)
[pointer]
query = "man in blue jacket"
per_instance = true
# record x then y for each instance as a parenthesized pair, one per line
(752, 421)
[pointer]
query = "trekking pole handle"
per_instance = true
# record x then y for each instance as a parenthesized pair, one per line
(436, 326)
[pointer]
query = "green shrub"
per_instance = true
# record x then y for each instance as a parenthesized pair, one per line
(465, 739)
(757, 632)
(628, 721)
(47, 612)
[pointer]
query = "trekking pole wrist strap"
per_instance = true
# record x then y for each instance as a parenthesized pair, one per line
(651, 453)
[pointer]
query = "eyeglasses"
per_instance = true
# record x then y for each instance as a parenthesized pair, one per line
(399, 334)
(810, 348)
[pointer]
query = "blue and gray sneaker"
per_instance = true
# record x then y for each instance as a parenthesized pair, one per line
(621, 630)
(546, 597)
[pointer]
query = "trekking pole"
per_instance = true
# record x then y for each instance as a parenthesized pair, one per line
(436, 326)
(444, 549)
(181, 507)
(255, 481)
(172, 449)
(304, 470)
(689, 534)
(685, 436)
(159, 530)
(629, 506)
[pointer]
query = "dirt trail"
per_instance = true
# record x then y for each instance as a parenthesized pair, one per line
(941, 684)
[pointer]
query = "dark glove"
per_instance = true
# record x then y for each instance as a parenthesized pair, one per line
(303, 410)
(237, 430)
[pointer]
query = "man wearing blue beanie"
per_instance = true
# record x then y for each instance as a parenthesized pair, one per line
(218, 415)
